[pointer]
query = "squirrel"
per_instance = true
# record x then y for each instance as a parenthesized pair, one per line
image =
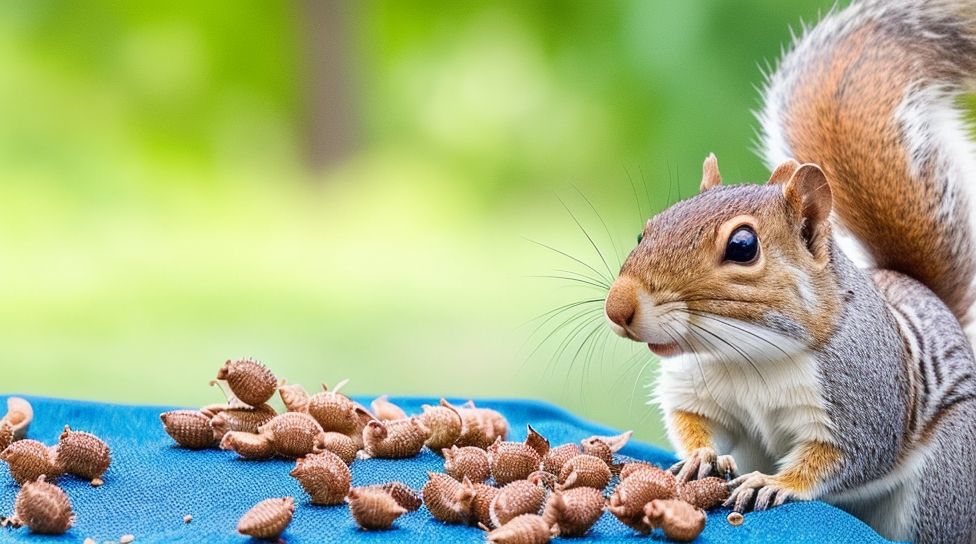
(814, 331)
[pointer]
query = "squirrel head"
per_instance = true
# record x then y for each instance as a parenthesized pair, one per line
(757, 255)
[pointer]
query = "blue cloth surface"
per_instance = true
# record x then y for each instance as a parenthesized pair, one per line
(152, 485)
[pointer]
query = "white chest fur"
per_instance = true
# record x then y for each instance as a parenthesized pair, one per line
(759, 387)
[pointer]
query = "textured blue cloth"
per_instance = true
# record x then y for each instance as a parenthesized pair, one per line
(152, 485)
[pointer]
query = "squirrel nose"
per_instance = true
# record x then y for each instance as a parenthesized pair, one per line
(621, 305)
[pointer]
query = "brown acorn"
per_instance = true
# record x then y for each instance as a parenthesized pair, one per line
(555, 458)
(632, 468)
(537, 442)
(292, 433)
(373, 508)
(405, 495)
(334, 411)
(19, 415)
(706, 493)
(525, 529)
(517, 498)
(250, 381)
(339, 444)
(467, 462)
(444, 423)
(44, 508)
(395, 439)
(30, 460)
(481, 427)
(6, 434)
(574, 511)
(363, 417)
(82, 454)
(546, 479)
(484, 494)
(639, 488)
(598, 448)
(615, 442)
(324, 476)
(268, 518)
(243, 419)
(584, 470)
(511, 461)
(294, 397)
(679, 520)
(449, 500)
(211, 410)
(189, 428)
(248, 445)
(384, 410)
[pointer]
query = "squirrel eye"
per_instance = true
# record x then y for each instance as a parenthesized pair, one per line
(743, 246)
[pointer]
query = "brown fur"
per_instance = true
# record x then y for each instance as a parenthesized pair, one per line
(816, 462)
(692, 430)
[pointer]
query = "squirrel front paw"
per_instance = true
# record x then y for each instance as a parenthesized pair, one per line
(767, 490)
(701, 463)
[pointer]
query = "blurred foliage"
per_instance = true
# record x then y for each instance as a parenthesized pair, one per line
(158, 218)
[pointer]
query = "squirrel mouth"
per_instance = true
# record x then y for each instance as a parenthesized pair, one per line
(665, 350)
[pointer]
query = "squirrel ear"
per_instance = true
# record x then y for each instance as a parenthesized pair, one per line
(710, 174)
(783, 172)
(808, 192)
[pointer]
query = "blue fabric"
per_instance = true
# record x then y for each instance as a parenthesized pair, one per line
(152, 484)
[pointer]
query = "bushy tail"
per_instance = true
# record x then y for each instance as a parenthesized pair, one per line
(871, 94)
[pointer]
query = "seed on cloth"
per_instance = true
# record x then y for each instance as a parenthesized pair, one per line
(19, 415)
(294, 397)
(244, 419)
(598, 448)
(373, 508)
(395, 439)
(525, 529)
(513, 500)
(405, 495)
(334, 411)
(735, 519)
(384, 410)
(29, 460)
(574, 511)
(447, 499)
(127, 539)
(444, 423)
(537, 442)
(324, 476)
(616, 442)
(189, 428)
(584, 470)
(250, 381)
(187, 518)
(82, 454)
(484, 494)
(268, 518)
(481, 426)
(44, 508)
(292, 433)
(679, 520)
(467, 462)
(555, 458)
(545, 479)
(511, 461)
(639, 488)
(706, 493)
(6, 434)
(248, 445)
(339, 444)
(634, 467)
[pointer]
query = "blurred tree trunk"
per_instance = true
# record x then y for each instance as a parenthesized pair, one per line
(328, 98)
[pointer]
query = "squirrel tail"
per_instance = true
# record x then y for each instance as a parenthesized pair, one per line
(872, 95)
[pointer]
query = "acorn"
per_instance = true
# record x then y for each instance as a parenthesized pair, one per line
(546, 479)
(384, 410)
(30, 460)
(679, 520)
(481, 427)
(517, 498)
(82, 454)
(292, 433)
(324, 476)
(6, 434)
(484, 494)
(584, 470)
(19, 415)
(373, 508)
(362, 419)
(268, 518)
(250, 381)
(639, 488)
(444, 423)
(574, 511)
(598, 448)
(632, 468)
(555, 458)
(248, 445)
(447, 499)
(706, 493)
(467, 462)
(525, 529)
(405, 495)
(511, 461)
(615, 442)
(334, 411)
(294, 397)
(189, 428)
(537, 442)
(245, 419)
(44, 508)
(395, 439)
(211, 410)
(339, 444)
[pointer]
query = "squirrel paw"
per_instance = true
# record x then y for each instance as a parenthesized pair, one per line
(767, 491)
(702, 463)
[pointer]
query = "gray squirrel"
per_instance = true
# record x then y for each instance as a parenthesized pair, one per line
(813, 330)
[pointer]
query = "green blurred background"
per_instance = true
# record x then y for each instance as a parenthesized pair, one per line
(346, 189)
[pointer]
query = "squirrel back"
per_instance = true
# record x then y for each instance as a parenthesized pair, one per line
(870, 94)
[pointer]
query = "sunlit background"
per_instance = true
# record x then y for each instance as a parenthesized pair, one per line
(354, 189)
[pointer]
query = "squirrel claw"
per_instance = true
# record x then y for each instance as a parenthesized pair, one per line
(702, 463)
(766, 491)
